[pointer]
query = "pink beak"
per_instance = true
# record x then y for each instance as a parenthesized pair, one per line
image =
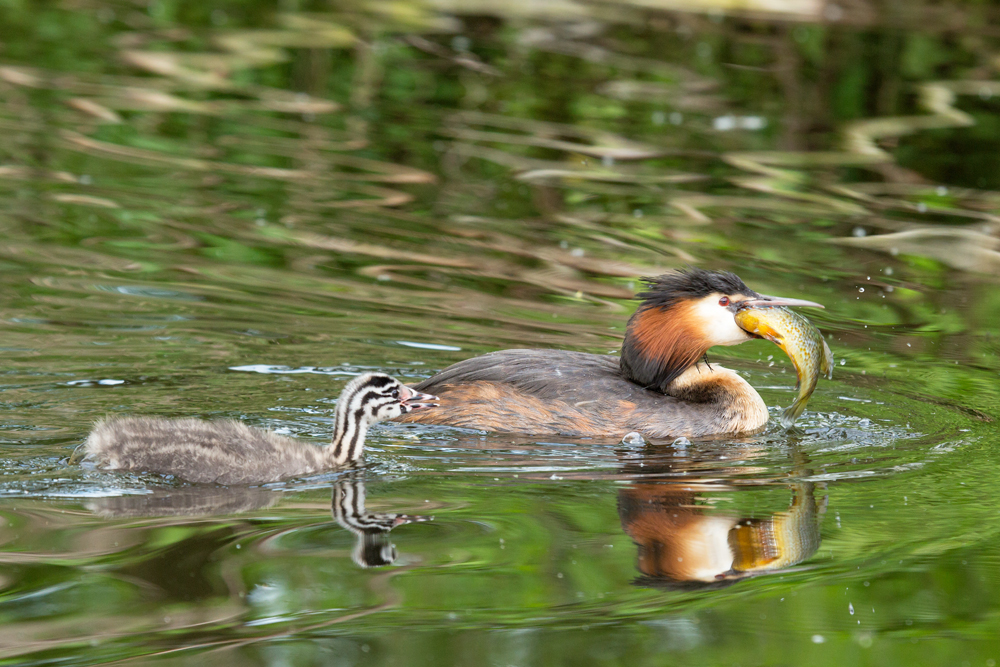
(765, 301)
(416, 400)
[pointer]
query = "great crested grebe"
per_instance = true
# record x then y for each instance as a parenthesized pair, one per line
(229, 452)
(656, 387)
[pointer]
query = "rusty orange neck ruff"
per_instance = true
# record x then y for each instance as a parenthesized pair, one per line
(660, 344)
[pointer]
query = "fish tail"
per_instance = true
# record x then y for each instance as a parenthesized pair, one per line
(791, 413)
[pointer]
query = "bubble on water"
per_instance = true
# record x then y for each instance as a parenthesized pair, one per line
(859, 232)
(633, 439)
(681, 442)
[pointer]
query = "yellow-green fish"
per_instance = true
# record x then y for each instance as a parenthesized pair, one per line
(800, 340)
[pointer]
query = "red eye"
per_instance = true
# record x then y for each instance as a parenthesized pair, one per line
(724, 301)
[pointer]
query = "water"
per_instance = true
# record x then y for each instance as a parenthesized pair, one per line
(220, 210)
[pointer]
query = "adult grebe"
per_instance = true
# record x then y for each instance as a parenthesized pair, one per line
(656, 387)
(229, 452)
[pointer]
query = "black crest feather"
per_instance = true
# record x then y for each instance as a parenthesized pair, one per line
(692, 283)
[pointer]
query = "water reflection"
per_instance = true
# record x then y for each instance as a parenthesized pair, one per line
(183, 194)
(371, 529)
(684, 541)
(373, 548)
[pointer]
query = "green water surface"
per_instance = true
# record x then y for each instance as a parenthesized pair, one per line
(222, 209)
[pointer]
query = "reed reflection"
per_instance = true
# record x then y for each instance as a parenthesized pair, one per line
(684, 542)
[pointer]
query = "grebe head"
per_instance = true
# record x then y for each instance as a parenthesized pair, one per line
(367, 399)
(682, 315)
(377, 397)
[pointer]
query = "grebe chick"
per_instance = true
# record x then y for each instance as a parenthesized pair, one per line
(656, 386)
(230, 452)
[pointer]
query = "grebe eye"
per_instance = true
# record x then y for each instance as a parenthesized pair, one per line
(395, 393)
(724, 301)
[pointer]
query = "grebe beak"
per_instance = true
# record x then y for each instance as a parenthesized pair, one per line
(416, 400)
(765, 301)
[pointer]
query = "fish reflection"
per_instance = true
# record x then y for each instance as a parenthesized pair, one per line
(371, 529)
(680, 543)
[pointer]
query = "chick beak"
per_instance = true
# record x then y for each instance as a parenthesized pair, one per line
(415, 400)
(765, 301)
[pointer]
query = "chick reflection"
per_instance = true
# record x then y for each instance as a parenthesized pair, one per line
(372, 547)
(680, 544)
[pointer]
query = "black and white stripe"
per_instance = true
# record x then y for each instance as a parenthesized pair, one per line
(360, 405)
(373, 548)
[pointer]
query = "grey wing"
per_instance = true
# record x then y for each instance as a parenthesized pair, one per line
(547, 374)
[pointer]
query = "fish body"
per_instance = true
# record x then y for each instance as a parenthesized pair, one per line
(800, 340)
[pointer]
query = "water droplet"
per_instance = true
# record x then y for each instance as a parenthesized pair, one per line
(850, 608)
(633, 439)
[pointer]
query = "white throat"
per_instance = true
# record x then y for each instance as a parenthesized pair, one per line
(720, 325)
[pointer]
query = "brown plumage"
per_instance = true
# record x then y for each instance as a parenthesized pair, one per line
(656, 386)
(230, 452)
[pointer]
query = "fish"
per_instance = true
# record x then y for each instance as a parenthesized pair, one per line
(800, 340)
